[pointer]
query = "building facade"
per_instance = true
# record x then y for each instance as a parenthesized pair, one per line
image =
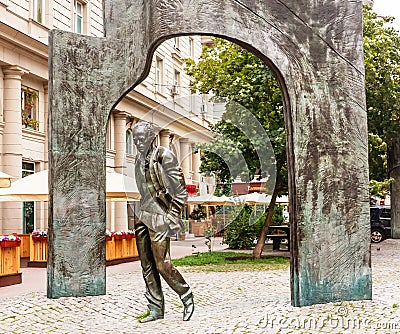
(163, 98)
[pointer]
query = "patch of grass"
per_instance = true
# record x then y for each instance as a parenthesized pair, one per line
(231, 261)
(143, 315)
(395, 305)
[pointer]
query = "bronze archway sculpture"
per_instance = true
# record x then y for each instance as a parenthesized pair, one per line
(314, 48)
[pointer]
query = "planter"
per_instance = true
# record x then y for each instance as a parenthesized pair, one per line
(130, 236)
(10, 243)
(120, 250)
(183, 236)
(39, 238)
(38, 250)
(119, 237)
(108, 238)
(10, 272)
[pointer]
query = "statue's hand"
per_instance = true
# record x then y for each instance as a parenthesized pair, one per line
(174, 229)
(174, 224)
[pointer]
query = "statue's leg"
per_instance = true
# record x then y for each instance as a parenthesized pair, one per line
(161, 252)
(151, 276)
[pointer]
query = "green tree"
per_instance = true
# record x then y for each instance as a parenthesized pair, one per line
(382, 78)
(236, 76)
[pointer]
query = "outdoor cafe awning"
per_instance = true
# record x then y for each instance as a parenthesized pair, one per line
(259, 198)
(211, 200)
(251, 199)
(34, 187)
(254, 198)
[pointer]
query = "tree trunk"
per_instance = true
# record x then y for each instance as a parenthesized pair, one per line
(257, 251)
(394, 172)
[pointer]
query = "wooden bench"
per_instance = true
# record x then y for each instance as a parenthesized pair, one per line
(276, 240)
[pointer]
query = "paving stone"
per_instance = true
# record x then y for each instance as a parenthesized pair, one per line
(232, 302)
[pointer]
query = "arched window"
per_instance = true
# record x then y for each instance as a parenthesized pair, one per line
(129, 142)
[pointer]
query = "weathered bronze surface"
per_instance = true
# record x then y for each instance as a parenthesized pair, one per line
(163, 195)
(315, 50)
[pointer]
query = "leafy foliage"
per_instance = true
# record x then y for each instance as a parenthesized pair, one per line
(377, 158)
(382, 80)
(239, 234)
(198, 213)
(379, 189)
(236, 76)
(382, 71)
(277, 218)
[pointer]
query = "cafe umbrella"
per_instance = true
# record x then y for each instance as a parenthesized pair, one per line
(34, 187)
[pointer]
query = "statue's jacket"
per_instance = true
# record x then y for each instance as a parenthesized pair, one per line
(163, 191)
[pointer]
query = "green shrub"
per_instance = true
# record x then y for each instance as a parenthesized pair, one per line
(239, 234)
(198, 213)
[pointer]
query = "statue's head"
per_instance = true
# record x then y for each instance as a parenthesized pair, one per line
(143, 135)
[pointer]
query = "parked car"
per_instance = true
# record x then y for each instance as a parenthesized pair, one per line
(380, 223)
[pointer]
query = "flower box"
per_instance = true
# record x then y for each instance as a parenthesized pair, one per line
(10, 263)
(38, 250)
(130, 236)
(108, 237)
(119, 236)
(39, 237)
(10, 243)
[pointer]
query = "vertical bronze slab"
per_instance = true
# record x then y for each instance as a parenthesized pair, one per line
(76, 263)
(315, 50)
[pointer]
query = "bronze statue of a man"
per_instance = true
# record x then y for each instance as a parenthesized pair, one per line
(163, 193)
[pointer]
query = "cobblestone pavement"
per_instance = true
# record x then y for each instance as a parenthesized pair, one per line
(232, 302)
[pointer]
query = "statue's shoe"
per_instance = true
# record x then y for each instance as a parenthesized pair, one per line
(151, 317)
(188, 307)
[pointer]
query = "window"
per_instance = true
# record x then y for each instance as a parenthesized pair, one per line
(78, 17)
(159, 74)
(28, 168)
(129, 142)
(177, 83)
(191, 47)
(28, 208)
(176, 43)
(38, 10)
(29, 108)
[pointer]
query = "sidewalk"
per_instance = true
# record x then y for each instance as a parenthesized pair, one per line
(34, 279)
(226, 302)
